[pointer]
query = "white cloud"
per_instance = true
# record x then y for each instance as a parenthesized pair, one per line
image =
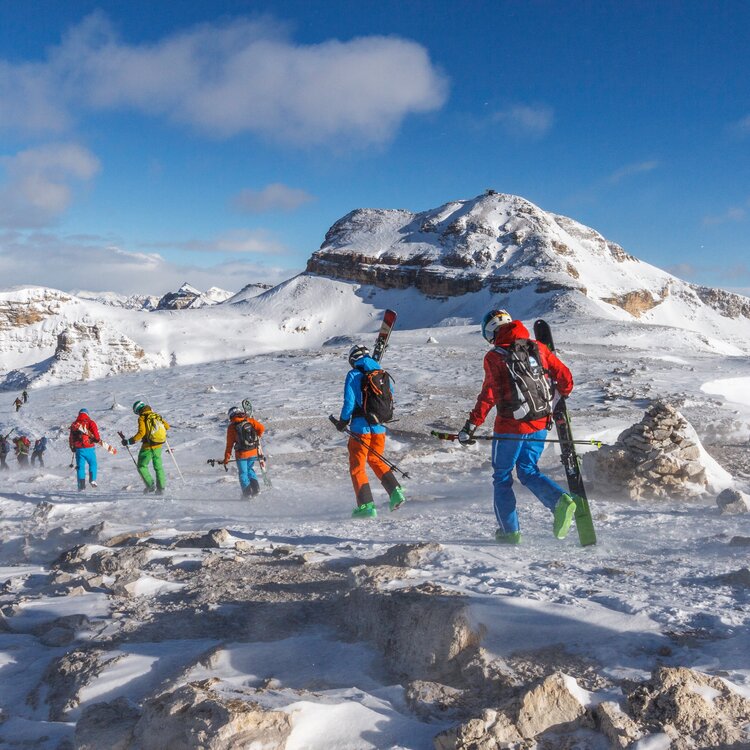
(733, 214)
(235, 241)
(38, 183)
(273, 197)
(533, 121)
(741, 127)
(632, 169)
(225, 79)
(67, 263)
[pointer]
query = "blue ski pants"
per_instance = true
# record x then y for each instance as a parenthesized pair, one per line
(86, 456)
(247, 473)
(523, 454)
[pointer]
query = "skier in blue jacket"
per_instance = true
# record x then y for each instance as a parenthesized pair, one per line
(369, 440)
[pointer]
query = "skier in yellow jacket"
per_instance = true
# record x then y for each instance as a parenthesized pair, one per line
(152, 434)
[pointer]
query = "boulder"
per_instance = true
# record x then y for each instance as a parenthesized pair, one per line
(107, 725)
(194, 716)
(732, 501)
(684, 703)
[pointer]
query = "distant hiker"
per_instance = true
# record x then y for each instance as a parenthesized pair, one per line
(243, 436)
(522, 420)
(25, 397)
(18, 404)
(22, 447)
(367, 389)
(83, 438)
(4, 451)
(37, 454)
(152, 432)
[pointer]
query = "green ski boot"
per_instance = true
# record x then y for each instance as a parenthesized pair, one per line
(397, 498)
(563, 516)
(514, 537)
(367, 510)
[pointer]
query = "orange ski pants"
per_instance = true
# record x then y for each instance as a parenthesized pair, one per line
(360, 456)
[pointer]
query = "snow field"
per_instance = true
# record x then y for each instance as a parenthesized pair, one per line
(649, 593)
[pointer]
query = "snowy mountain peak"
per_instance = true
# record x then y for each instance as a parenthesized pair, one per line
(188, 296)
(505, 244)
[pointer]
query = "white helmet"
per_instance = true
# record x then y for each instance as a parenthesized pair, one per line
(493, 320)
(357, 352)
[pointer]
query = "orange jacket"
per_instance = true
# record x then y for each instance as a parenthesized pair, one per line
(232, 438)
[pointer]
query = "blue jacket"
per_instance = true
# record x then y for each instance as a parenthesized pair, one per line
(353, 397)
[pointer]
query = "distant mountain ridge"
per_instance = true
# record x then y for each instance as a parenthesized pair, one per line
(501, 243)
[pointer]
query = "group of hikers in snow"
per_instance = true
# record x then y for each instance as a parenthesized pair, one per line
(517, 442)
(22, 449)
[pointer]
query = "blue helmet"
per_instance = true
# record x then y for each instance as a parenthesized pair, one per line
(83, 411)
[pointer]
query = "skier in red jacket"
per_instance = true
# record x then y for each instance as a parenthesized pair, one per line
(84, 436)
(522, 436)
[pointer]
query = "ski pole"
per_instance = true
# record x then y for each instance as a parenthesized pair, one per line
(213, 461)
(169, 450)
(374, 453)
(132, 458)
(454, 436)
(262, 466)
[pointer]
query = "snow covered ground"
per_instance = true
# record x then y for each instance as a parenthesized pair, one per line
(660, 588)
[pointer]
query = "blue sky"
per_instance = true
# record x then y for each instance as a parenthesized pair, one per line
(147, 143)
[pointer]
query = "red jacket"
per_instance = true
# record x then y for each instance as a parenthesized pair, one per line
(496, 388)
(83, 433)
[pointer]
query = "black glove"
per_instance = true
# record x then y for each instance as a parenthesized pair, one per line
(466, 436)
(341, 424)
(124, 442)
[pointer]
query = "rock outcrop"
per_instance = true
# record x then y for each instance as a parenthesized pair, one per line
(658, 458)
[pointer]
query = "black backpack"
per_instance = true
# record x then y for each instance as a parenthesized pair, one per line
(377, 397)
(531, 395)
(247, 436)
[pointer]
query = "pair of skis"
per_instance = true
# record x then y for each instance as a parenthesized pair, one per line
(568, 456)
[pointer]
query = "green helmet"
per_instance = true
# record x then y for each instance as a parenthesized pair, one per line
(138, 407)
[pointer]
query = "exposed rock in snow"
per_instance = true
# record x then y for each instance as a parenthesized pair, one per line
(695, 710)
(659, 457)
(89, 350)
(192, 716)
(504, 243)
(247, 292)
(732, 501)
(616, 725)
(189, 297)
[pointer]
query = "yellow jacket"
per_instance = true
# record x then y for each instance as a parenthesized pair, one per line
(141, 434)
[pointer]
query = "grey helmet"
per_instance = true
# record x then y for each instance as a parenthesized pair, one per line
(357, 352)
(235, 411)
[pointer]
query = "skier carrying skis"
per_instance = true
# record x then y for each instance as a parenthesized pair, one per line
(152, 434)
(18, 404)
(518, 423)
(369, 432)
(83, 438)
(243, 436)
(22, 445)
(40, 446)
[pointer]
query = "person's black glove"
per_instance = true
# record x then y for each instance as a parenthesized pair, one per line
(124, 442)
(341, 424)
(466, 436)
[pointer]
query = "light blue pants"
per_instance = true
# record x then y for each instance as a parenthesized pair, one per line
(86, 456)
(246, 471)
(523, 454)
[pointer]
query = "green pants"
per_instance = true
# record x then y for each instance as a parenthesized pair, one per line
(147, 456)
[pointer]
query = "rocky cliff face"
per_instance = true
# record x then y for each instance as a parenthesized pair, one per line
(502, 243)
(188, 297)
